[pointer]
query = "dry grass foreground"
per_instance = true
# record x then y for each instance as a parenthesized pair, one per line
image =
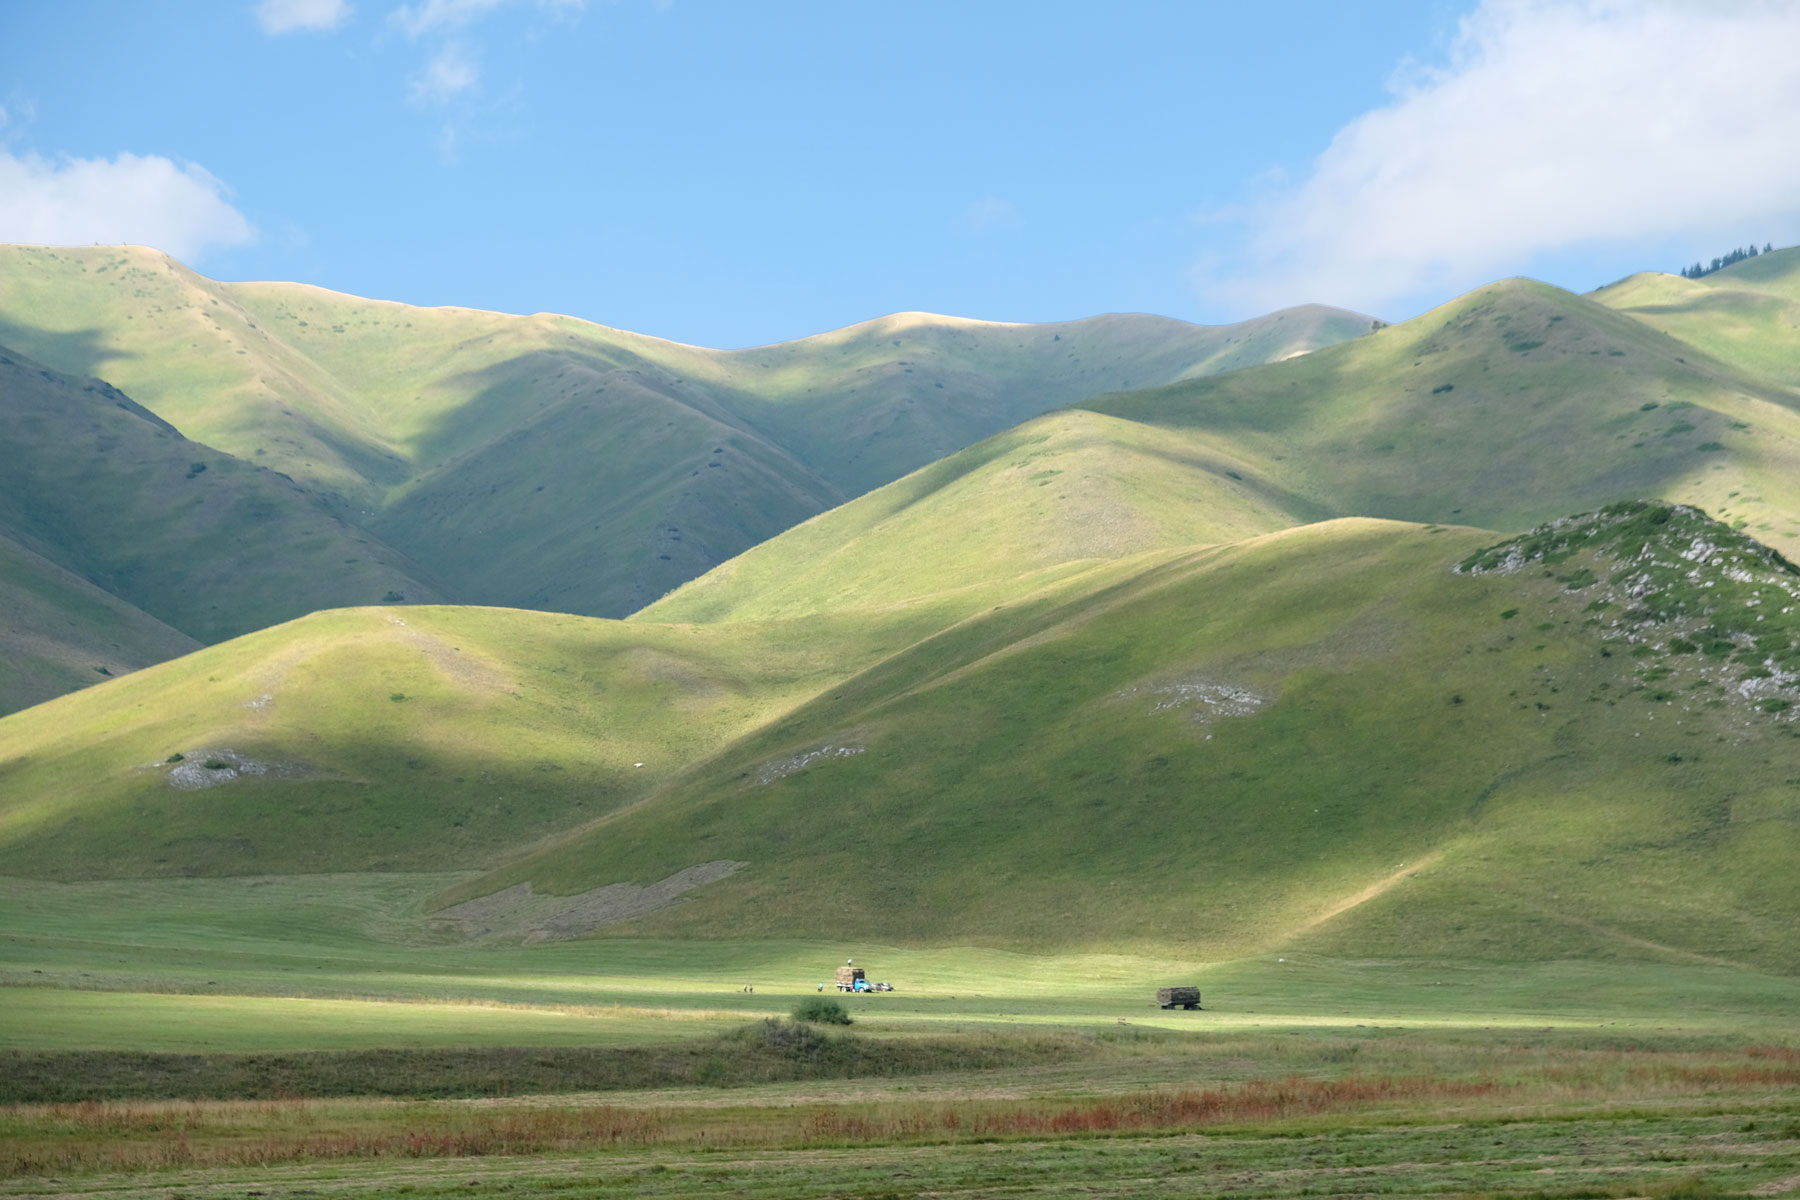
(1583, 1116)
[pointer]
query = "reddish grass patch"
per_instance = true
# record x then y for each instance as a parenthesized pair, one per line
(172, 1137)
(1778, 1053)
(1251, 1103)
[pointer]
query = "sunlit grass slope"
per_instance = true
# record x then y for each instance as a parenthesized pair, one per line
(1323, 736)
(1349, 737)
(1747, 313)
(869, 403)
(1053, 497)
(62, 633)
(1508, 406)
(391, 738)
(205, 542)
(546, 462)
(1516, 403)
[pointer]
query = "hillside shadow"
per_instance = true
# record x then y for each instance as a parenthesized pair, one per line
(1718, 299)
(511, 393)
(73, 351)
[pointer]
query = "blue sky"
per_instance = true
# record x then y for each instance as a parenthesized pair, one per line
(736, 173)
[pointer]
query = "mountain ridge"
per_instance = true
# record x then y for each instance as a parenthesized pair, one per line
(413, 422)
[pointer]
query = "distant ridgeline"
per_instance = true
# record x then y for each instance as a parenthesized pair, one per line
(1736, 256)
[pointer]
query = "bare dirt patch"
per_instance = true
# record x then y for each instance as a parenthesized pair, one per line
(1778, 1187)
(519, 912)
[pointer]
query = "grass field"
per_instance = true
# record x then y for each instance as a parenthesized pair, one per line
(646, 1067)
(232, 964)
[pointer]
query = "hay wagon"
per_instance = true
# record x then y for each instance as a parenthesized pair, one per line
(1178, 997)
(852, 979)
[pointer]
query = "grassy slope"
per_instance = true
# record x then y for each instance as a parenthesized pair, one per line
(1053, 497)
(1010, 750)
(1511, 405)
(1505, 407)
(62, 633)
(547, 462)
(190, 352)
(1043, 757)
(508, 726)
(1044, 775)
(867, 404)
(1747, 314)
(198, 539)
(552, 517)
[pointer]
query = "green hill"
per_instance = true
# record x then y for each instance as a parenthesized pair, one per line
(199, 540)
(394, 738)
(1204, 670)
(541, 461)
(63, 633)
(867, 404)
(1328, 737)
(1508, 406)
(1054, 497)
(1747, 314)
(1353, 736)
(1511, 405)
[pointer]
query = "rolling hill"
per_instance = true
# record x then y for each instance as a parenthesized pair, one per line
(402, 738)
(1508, 406)
(1353, 736)
(1357, 736)
(1747, 314)
(1246, 661)
(541, 461)
(1514, 404)
(213, 546)
(63, 633)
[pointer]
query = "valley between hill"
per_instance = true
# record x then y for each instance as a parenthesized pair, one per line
(546, 462)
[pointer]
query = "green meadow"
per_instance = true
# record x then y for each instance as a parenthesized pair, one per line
(314, 1035)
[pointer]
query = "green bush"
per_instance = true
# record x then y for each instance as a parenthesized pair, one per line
(821, 1011)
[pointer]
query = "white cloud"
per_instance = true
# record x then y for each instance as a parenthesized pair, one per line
(437, 15)
(990, 212)
(441, 16)
(147, 200)
(449, 72)
(286, 16)
(1556, 124)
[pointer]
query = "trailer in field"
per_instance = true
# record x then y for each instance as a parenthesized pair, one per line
(1178, 997)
